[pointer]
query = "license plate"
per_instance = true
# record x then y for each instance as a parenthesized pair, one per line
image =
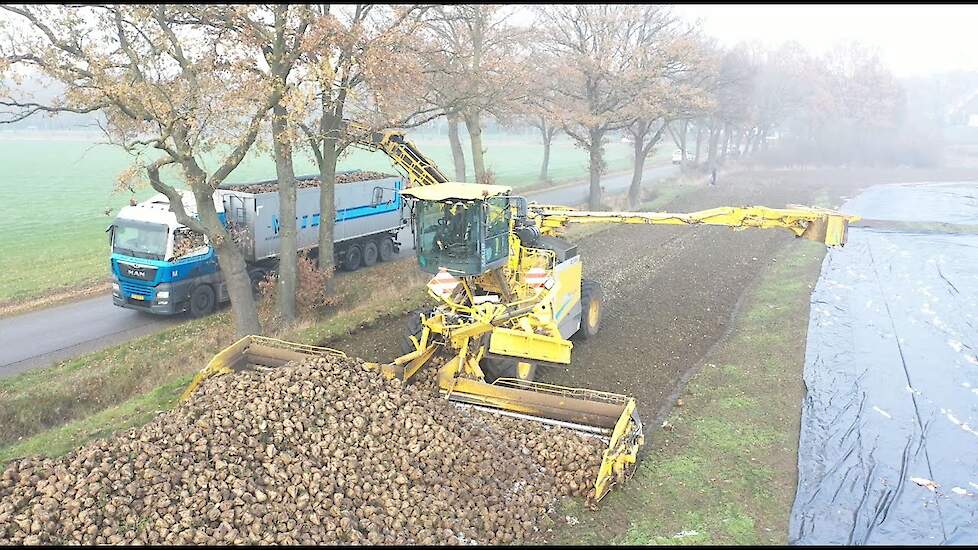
(137, 297)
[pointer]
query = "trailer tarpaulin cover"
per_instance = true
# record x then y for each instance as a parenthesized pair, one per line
(888, 450)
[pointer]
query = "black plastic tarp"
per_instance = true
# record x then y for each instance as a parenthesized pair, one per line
(888, 449)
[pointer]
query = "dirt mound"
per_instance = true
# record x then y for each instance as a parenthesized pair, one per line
(350, 177)
(319, 453)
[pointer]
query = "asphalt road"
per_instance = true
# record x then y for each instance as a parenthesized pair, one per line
(41, 338)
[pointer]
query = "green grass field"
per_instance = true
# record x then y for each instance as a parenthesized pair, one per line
(54, 191)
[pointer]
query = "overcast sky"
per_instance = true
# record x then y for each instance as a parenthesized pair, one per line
(913, 40)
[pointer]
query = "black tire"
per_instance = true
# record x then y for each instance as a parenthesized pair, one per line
(592, 306)
(353, 257)
(257, 275)
(414, 328)
(386, 249)
(505, 367)
(202, 301)
(370, 253)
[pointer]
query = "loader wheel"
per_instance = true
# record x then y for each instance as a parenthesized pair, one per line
(591, 306)
(499, 367)
(354, 255)
(414, 328)
(369, 253)
(386, 249)
(202, 301)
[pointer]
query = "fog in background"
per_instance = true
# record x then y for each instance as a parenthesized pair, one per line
(909, 96)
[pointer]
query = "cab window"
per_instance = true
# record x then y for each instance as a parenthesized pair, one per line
(497, 229)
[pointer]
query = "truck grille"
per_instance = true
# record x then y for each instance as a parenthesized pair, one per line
(143, 273)
(130, 287)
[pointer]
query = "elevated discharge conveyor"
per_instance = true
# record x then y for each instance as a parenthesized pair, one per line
(420, 169)
(816, 224)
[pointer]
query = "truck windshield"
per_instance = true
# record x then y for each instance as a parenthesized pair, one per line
(139, 239)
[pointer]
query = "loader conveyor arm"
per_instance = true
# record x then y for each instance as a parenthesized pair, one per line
(817, 224)
(420, 169)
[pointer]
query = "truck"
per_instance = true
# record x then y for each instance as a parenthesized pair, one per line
(162, 267)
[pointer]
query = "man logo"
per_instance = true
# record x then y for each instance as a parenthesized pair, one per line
(132, 272)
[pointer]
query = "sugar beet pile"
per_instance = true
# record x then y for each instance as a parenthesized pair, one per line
(320, 452)
(348, 177)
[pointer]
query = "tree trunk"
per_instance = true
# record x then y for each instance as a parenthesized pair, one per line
(547, 139)
(683, 132)
(643, 145)
(699, 143)
(288, 238)
(473, 125)
(738, 138)
(327, 202)
(458, 154)
(635, 188)
(726, 142)
(711, 158)
(235, 272)
(232, 262)
(595, 167)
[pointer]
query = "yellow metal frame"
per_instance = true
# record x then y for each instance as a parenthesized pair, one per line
(255, 349)
(819, 224)
(614, 415)
(420, 169)
(529, 345)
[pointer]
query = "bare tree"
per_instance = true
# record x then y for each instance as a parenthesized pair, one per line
(672, 69)
(275, 33)
(482, 59)
(165, 84)
(281, 53)
(598, 50)
(354, 52)
(538, 106)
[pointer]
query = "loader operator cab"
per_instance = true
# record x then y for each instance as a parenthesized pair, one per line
(462, 227)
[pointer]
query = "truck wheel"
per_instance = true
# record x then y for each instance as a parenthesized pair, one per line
(202, 301)
(500, 367)
(591, 309)
(369, 253)
(386, 249)
(354, 255)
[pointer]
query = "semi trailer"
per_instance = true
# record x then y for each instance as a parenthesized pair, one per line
(162, 267)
